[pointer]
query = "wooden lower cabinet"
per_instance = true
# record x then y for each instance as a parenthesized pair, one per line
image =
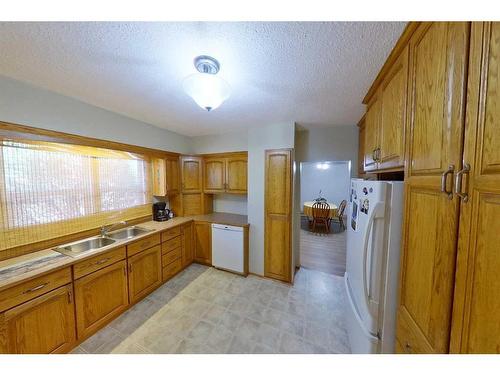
(277, 215)
(144, 273)
(42, 325)
(187, 244)
(203, 243)
(100, 297)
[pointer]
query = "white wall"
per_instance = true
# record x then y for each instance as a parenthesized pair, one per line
(232, 203)
(333, 182)
(255, 141)
(23, 104)
(333, 143)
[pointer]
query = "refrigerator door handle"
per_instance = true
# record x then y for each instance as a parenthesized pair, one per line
(369, 226)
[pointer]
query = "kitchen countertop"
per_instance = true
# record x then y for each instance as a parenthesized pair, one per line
(19, 269)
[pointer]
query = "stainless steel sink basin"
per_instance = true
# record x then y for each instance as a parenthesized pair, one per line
(127, 233)
(76, 248)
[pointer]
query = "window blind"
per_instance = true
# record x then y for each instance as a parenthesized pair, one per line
(49, 190)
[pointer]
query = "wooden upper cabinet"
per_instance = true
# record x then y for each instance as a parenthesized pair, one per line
(226, 174)
(476, 308)
(158, 177)
(437, 66)
(236, 174)
(191, 174)
(173, 181)
(100, 297)
(165, 176)
(277, 215)
(215, 175)
(393, 94)
(361, 147)
(203, 242)
(144, 273)
(372, 125)
(43, 325)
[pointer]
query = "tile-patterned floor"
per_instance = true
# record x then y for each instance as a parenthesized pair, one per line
(204, 310)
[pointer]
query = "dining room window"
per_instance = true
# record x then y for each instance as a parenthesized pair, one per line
(49, 189)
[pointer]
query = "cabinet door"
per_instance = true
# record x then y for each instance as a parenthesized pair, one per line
(203, 243)
(159, 177)
(215, 175)
(438, 58)
(393, 114)
(172, 166)
(236, 175)
(43, 325)
(361, 147)
(144, 273)
(191, 174)
(187, 245)
(277, 215)
(476, 309)
(100, 297)
(372, 125)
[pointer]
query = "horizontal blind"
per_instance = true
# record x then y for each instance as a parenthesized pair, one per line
(49, 190)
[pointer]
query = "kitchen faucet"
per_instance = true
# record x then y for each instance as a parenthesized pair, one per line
(106, 228)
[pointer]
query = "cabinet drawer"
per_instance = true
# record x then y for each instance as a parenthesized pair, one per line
(172, 269)
(171, 256)
(143, 244)
(171, 233)
(170, 245)
(33, 288)
(98, 262)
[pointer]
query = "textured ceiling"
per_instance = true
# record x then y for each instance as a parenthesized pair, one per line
(315, 74)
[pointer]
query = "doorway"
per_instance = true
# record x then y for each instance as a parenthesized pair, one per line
(324, 247)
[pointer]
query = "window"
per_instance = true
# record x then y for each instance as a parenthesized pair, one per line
(48, 190)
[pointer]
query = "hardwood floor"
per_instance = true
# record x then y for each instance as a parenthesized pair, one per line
(323, 252)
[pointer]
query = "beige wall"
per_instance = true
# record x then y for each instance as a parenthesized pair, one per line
(24, 104)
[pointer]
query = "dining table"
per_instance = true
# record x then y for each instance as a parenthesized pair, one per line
(308, 209)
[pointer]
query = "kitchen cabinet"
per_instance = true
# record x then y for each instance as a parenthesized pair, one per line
(277, 215)
(203, 242)
(191, 174)
(372, 126)
(187, 244)
(437, 85)
(476, 306)
(43, 325)
(361, 147)
(165, 176)
(144, 273)
(226, 174)
(393, 115)
(100, 297)
(385, 120)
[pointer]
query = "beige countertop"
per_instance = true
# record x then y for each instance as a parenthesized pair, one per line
(19, 269)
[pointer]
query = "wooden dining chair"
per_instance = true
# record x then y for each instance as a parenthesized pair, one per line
(339, 217)
(321, 215)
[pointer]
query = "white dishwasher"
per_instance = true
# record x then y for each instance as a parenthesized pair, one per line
(227, 247)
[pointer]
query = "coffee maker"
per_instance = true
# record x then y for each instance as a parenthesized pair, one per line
(160, 212)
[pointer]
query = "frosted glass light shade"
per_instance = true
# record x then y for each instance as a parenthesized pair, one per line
(207, 90)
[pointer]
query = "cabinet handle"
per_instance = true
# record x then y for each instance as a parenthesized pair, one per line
(70, 297)
(130, 268)
(444, 180)
(458, 183)
(102, 261)
(374, 157)
(125, 271)
(407, 347)
(379, 151)
(36, 288)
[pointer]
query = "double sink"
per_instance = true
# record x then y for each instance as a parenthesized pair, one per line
(75, 249)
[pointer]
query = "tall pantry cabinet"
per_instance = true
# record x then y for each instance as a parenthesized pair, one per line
(449, 279)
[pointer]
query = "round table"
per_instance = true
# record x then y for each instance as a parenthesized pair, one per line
(308, 209)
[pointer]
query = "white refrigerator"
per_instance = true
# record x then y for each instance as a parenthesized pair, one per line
(374, 226)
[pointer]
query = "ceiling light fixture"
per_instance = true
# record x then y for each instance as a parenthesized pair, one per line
(206, 89)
